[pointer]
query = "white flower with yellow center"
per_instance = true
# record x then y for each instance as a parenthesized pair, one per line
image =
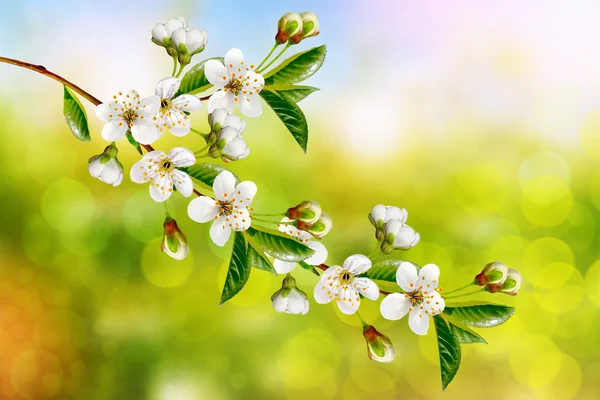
(318, 258)
(126, 111)
(238, 82)
(420, 299)
(161, 171)
(172, 114)
(229, 210)
(343, 285)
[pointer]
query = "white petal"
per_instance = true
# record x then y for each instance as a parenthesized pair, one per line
(221, 99)
(203, 209)
(218, 116)
(223, 185)
(95, 167)
(429, 275)
(161, 188)
(296, 303)
(167, 87)
(393, 212)
(145, 132)
(220, 231)
(253, 82)
(250, 105)
(235, 148)
(378, 213)
(280, 303)
(418, 321)
(348, 301)
(103, 111)
(324, 293)
(283, 267)
(182, 157)
(187, 102)
(139, 171)
(234, 62)
(367, 288)
(288, 229)
(320, 255)
(241, 220)
(118, 181)
(183, 183)
(111, 172)
(216, 73)
(149, 106)
(172, 24)
(114, 131)
(394, 306)
(244, 193)
(357, 264)
(434, 303)
(406, 276)
(234, 122)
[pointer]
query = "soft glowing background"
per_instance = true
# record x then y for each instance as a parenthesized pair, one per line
(479, 118)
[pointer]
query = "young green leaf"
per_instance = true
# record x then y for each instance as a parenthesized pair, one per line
(134, 143)
(309, 267)
(239, 270)
(295, 93)
(290, 114)
(449, 350)
(75, 116)
(466, 335)
(276, 245)
(259, 261)
(298, 67)
(479, 315)
(385, 270)
(194, 81)
(206, 173)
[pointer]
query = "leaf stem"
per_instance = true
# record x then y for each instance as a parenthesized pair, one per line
(465, 294)
(268, 55)
(42, 70)
(461, 288)
(287, 46)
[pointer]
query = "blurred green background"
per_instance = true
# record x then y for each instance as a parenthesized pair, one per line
(480, 122)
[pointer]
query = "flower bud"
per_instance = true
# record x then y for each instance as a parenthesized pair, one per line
(174, 242)
(511, 284)
(289, 24)
(308, 211)
(229, 144)
(379, 346)
(399, 236)
(380, 215)
(221, 119)
(289, 299)
(310, 27)
(162, 32)
(106, 166)
(188, 42)
(320, 228)
(493, 273)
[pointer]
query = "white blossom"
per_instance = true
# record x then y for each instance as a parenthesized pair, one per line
(161, 33)
(189, 41)
(172, 113)
(318, 258)
(110, 172)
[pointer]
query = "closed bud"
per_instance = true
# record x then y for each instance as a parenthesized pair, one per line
(174, 242)
(310, 27)
(289, 24)
(188, 42)
(308, 211)
(399, 236)
(321, 227)
(230, 145)
(511, 284)
(106, 166)
(380, 215)
(494, 273)
(162, 32)
(289, 299)
(379, 346)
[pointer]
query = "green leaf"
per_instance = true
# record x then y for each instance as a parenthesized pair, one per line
(466, 335)
(75, 116)
(294, 93)
(134, 142)
(206, 173)
(298, 67)
(277, 245)
(290, 114)
(385, 270)
(479, 315)
(309, 267)
(194, 81)
(449, 350)
(259, 261)
(239, 271)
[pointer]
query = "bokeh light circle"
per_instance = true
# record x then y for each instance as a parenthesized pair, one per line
(37, 374)
(68, 206)
(163, 271)
(546, 201)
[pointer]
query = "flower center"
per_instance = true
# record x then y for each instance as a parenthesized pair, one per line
(346, 278)
(129, 116)
(416, 297)
(165, 104)
(167, 165)
(234, 85)
(226, 208)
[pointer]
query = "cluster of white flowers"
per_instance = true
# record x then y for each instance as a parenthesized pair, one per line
(391, 228)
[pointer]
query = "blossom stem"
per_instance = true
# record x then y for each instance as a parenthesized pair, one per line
(180, 71)
(174, 66)
(262, 220)
(362, 321)
(42, 70)
(166, 209)
(465, 294)
(202, 150)
(270, 215)
(197, 132)
(276, 57)
(461, 288)
(268, 55)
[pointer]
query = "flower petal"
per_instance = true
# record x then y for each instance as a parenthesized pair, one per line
(203, 209)
(241, 220)
(367, 288)
(220, 231)
(114, 131)
(429, 276)
(283, 267)
(105, 112)
(234, 62)
(320, 255)
(327, 287)
(167, 87)
(149, 106)
(235, 122)
(144, 131)
(250, 105)
(418, 321)
(357, 264)
(224, 185)
(348, 301)
(253, 82)
(434, 303)
(216, 73)
(394, 306)
(161, 188)
(187, 102)
(221, 99)
(406, 276)
(244, 193)
(183, 183)
(182, 157)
